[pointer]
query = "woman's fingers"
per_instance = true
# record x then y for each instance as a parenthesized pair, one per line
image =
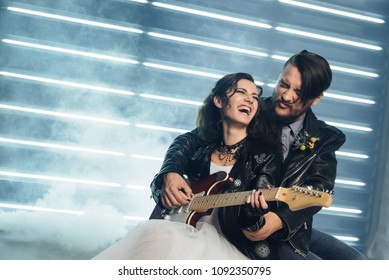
(257, 200)
(263, 202)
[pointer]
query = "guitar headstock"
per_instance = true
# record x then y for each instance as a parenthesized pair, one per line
(299, 198)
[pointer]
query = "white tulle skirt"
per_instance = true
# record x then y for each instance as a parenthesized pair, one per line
(166, 240)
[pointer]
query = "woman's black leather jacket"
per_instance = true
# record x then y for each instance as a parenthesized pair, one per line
(257, 166)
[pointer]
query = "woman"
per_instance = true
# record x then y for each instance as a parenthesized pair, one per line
(225, 125)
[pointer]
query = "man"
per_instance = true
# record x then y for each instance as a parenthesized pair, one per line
(309, 147)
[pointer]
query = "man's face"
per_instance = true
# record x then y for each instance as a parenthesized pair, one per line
(286, 96)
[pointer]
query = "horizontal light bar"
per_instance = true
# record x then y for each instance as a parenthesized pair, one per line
(206, 44)
(75, 20)
(40, 209)
(349, 98)
(170, 99)
(211, 15)
(353, 71)
(336, 68)
(328, 38)
(134, 187)
(155, 127)
(332, 11)
(147, 157)
(65, 83)
(182, 70)
(55, 178)
(70, 51)
(348, 182)
(59, 114)
(279, 57)
(354, 155)
(347, 238)
(350, 126)
(60, 147)
(139, 1)
(343, 210)
(62, 211)
(188, 71)
(270, 85)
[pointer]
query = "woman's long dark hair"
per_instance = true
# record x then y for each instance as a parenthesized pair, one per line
(209, 118)
(267, 126)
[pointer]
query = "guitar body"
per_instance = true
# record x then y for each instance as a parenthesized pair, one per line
(210, 185)
(207, 196)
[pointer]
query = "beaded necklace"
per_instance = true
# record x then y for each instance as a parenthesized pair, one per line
(228, 153)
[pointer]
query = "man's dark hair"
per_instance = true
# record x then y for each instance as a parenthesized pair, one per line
(315, 73)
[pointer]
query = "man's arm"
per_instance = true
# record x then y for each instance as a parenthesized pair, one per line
(169, 189)
(281, 222)
(320, 175)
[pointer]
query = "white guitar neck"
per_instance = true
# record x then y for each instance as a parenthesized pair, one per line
(204, 203)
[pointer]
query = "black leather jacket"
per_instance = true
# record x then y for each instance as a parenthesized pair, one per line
(309, 168)
(257, 166)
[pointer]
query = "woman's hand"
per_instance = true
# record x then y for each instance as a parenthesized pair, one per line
(257, 200)
(175, 192)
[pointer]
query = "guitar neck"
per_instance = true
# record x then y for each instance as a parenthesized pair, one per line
(203, 203)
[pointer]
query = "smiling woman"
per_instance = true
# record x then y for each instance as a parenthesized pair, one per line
(225, 145)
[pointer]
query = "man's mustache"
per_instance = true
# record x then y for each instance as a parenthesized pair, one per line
(284, 102)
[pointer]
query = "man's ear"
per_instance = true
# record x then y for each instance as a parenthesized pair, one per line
(317, 100)
(217, 102)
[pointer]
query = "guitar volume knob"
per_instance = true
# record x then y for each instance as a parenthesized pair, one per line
(166, 217)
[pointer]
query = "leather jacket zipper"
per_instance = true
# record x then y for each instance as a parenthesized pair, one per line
(298, 251)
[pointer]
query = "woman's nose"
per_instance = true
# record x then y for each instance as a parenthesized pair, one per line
(249, 99)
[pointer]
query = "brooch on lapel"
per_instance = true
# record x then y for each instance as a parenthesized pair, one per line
(304, 140)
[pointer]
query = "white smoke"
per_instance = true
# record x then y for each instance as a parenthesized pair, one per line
(98, 226)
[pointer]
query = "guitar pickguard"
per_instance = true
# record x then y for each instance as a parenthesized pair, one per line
(181, 214)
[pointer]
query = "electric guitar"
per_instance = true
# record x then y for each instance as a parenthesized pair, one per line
(207, 197)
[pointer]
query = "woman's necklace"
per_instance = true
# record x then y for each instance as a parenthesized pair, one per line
(228, 153)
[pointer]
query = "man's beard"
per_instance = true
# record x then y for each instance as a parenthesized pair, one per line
(291, 118)
(285, 120)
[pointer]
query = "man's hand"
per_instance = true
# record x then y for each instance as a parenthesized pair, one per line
(273, 223)
(175, 191)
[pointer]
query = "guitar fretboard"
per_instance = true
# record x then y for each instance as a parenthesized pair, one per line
(203, 203)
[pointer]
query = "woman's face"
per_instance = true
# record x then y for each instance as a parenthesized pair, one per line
(243, 104)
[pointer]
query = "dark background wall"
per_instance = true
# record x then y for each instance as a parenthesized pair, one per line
(93, 92)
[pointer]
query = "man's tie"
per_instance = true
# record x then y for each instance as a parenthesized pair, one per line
(287, 140)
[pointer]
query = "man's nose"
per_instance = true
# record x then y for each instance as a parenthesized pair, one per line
(289, 95)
